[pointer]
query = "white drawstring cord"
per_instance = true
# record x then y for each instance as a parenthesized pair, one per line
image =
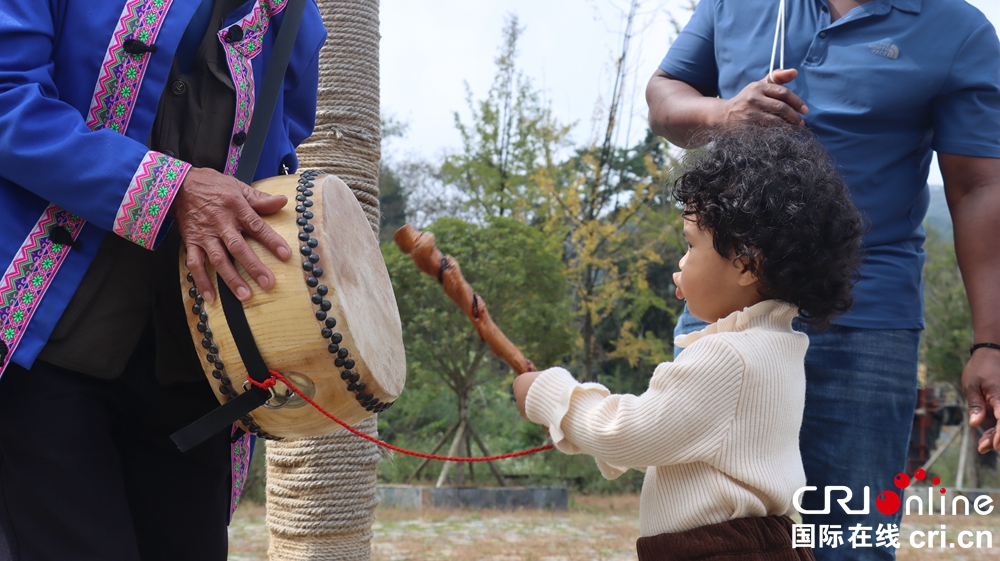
(779, 28)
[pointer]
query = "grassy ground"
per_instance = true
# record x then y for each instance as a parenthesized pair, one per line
(598, 528)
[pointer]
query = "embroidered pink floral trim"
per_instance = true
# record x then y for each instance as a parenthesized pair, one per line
(30, 274)
(122, 73)
(239, 55)
(152, 189)
(38, 260)
(242, 451)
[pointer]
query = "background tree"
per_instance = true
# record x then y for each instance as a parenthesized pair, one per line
(637, 334)
(615, 228)
(944, 346)
(511, 135)
(604, 203)
(393, 197)
(609, 210)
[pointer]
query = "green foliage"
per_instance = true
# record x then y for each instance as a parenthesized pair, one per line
(603, 205)
(392, 203)
(393, 198)
(620, 244)
(638, 333)
(946, 338)
(255, 488)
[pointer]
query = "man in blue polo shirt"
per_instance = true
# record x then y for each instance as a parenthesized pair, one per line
(882, 83)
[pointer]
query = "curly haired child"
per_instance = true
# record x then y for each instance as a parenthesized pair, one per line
(772, 235)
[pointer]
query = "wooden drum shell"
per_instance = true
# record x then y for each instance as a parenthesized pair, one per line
(286, 322)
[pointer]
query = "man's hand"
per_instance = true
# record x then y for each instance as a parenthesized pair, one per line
(213, 211)
(768, 100)
(522, 384)
(678, 110)
(981, 381)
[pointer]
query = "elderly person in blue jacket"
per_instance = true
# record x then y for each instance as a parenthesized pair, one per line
(121, 124)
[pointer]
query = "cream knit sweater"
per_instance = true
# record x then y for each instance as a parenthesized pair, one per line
(717, 432)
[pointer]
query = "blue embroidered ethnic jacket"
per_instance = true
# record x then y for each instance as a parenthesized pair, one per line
(76, 110)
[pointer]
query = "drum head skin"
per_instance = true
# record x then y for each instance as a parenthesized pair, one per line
(330, 325)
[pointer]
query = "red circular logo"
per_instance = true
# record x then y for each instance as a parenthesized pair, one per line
(902, 481)
(887, 502)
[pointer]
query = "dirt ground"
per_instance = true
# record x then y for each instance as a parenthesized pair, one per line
(595, 528)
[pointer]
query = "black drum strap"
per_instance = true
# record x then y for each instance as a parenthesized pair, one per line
(227, 414)
(234, 409)
(221, 417)
(242, 335)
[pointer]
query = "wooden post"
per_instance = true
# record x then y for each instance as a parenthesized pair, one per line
(963, 455)
(493, 467)
(437, 447)
(451, 452)
(321, 491)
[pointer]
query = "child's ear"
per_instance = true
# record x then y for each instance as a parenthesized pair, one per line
(747, 277)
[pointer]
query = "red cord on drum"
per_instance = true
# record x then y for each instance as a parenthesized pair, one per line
(277, 376)
(266, 384)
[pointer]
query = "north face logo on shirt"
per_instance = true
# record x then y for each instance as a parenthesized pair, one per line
(885, 49)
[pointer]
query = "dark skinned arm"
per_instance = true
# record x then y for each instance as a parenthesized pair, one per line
(678, 109)
(972, 187)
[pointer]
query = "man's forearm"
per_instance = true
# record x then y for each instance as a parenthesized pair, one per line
(677, 110)
(976, 231)
(975, 206)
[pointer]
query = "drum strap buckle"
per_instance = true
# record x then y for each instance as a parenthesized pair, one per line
(276, 401)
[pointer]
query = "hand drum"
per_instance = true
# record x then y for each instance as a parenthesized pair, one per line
(330, 325)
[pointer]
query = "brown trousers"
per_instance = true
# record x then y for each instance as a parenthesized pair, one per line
(743, 539)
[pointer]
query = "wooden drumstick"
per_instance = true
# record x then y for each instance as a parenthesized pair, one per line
(429, 259)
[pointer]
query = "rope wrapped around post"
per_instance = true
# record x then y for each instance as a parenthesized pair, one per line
(321, 491)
